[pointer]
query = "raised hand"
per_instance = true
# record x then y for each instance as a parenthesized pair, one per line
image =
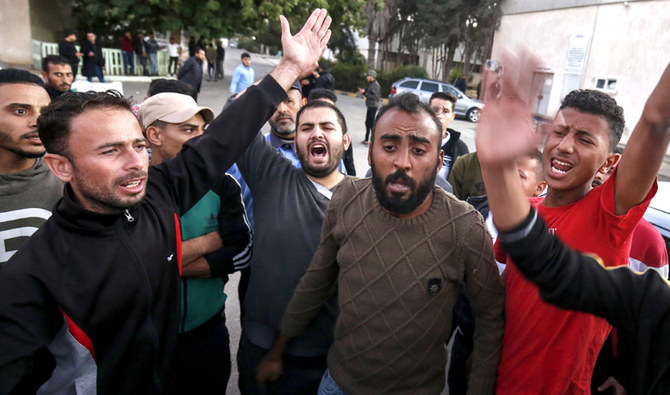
(303, 50)
(505, 131)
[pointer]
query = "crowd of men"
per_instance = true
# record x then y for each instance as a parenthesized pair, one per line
(114, 260)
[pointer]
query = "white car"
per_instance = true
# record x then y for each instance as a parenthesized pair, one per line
(470, 109)
(658, 213)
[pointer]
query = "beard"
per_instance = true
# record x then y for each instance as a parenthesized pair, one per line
(15, 147)
(395, 202)
(333, 163)
(105, 198)
(282, 131)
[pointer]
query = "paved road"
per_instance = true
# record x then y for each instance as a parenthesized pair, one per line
(214, 95)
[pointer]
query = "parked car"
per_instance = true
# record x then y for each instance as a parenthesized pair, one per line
(658, 212)
(466, 107)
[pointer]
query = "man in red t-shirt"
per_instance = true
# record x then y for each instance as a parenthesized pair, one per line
(547, 350)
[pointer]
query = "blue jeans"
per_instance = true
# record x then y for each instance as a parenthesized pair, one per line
(98, 73)
(128, 62)
(328, 386)
(153, 58)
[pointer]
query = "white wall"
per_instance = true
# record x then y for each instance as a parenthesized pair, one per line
(626, 42)
(15, 32)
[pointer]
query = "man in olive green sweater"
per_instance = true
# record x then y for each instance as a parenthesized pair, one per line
(395, 248)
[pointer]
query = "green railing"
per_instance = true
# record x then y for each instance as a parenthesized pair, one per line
(113, 58)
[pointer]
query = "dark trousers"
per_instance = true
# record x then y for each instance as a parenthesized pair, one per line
(459, 366)
(203, 359)
(75, 68)
(98, 73)
(301, 375)
(172, 66)
(369, 121)
(211, 70)
(143, 61)
(128, 62)
(219, 69)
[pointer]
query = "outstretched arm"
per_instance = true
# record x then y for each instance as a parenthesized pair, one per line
(302, 51)
(506, 133)
(645, 149)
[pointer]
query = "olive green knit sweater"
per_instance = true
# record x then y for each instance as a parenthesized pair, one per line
(397, 281)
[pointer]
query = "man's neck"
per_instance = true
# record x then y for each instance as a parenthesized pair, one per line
(13, 163)
(558, 198)
(328, 181)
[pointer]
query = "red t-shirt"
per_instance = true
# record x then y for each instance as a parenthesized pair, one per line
(648, 249)
(548, 350)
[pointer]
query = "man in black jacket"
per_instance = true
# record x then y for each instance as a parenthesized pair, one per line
(191, 72)
(442, 104)
(91, 303)
(67, 49)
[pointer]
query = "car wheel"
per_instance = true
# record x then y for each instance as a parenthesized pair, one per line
(474, 114)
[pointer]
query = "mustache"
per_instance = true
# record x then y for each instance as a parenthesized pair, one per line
(400, 175)
(132, 176)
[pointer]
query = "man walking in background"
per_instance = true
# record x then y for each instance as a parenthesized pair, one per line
(372, 98)
(191, 72)
(243, 76)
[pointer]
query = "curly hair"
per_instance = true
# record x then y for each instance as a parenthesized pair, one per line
(409, 103)
(598, 103)
(53, 124)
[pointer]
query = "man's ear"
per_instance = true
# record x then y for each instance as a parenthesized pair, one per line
(370, 154)
(154, 136)
(539, 188)
(346, 141)
(60, 166)
(303, 101)
(440, 160)
(612, 161)
(44, 75)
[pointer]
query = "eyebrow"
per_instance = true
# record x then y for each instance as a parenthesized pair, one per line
(119, 143)
(315, 123)
(395, 137)
(190, 125)
(19, 105)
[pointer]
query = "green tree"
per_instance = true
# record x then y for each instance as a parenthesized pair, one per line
(211, 18)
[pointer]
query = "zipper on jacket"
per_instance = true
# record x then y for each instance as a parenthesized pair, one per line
(129, 217)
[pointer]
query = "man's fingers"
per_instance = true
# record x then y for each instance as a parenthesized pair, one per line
(321, 14)
(325, 24)
(285, 28)
(324, 40)
(311, 21)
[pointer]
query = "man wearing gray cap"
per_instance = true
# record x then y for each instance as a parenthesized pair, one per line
(373, 96)
(216, 241)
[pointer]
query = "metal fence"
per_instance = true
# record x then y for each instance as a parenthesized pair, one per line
(113, 59)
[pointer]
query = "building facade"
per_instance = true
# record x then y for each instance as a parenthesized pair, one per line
(619, 47)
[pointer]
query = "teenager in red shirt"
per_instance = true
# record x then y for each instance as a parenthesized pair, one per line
(549, 350)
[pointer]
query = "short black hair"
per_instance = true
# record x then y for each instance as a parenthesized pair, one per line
(318, 104)
(53, 59)
(53, 124)
(18, 76)
(411, 104)
(245, 55)
(161, 85)
(320, 93)
(444, 96)
(598, 103)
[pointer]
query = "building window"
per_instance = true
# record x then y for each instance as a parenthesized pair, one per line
(607, 85)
